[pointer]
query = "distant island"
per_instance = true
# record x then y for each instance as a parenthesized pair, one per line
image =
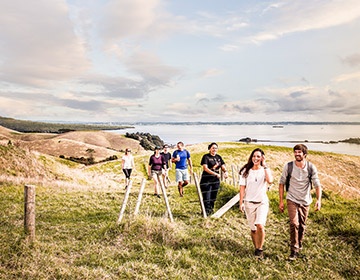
(48, 127)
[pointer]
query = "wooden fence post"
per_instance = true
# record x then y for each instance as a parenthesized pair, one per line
(29, 211)
(126, 197)
(138, 202)
(200, 195)
(163, 190)
(233, 174)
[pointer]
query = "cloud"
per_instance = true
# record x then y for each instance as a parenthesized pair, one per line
(347, 77)
(297, 101)
(287, 17)
(211, 73)
(39, 45)
(135, 19)
(150, 68)
(352, 60)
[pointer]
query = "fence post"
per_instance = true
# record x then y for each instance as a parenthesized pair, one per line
(29, 211)
(126, 197)
(233, 174)
(163, 190)
(200, 195)
(138, 202)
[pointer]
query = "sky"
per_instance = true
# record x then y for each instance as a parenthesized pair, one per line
(180, 60)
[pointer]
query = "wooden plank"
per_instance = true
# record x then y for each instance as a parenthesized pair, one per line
(163, 190)
(127, 193)
(227, 206)
(138, 202)
(200, 195)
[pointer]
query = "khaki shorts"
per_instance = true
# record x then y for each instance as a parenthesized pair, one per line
(256, 213)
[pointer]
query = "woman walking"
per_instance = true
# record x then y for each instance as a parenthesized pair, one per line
(254, 179)
(128, 164)
(210, 178)
(156, 168)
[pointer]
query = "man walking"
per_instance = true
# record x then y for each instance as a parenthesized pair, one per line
(181, 158)
(298, 177)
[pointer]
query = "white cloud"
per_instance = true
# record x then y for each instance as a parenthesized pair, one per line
(39, 44)
(211, 73)
(299, 16)
(347, 77)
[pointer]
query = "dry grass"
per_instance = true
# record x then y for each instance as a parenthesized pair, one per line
(77, 236)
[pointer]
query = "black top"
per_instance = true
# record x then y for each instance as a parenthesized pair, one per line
(214, 163)
(167, 158)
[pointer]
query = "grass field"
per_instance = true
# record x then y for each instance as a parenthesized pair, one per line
(77, 236)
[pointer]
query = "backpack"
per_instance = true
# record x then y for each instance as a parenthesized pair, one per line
(290, 168)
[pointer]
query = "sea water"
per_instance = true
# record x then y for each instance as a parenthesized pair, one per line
(317, 137)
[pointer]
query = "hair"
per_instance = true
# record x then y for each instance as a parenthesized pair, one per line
(127, 150)
(212, 144)
(250, 163)
(302, 148)
(180, 143)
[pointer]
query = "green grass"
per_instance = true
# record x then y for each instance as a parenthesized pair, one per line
(77, 237)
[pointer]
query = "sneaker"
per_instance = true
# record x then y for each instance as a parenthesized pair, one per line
(293, 255)
(259, 253)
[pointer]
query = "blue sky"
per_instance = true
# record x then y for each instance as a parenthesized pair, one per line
(180, 60)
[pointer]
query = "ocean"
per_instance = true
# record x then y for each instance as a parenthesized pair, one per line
(316, 136)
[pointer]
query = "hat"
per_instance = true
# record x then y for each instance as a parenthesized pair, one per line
(157, 148)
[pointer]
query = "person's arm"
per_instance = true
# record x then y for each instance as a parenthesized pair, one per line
(281, 197)
(190, 164)
(318, 198)
(241, 201)
(149, 171)
(223, 168)
(209, 171)
(268, 175)
(149, 167)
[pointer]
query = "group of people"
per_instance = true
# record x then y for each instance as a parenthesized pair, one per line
(298, 177)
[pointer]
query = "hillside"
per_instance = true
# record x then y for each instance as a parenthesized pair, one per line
(48, 127)
(77, 207)
(71, 144)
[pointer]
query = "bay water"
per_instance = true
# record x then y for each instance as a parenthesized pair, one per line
(318, 137)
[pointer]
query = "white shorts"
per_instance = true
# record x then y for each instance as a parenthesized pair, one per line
(256, 213)
(181, 175)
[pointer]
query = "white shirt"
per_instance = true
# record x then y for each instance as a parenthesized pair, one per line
(255, 185)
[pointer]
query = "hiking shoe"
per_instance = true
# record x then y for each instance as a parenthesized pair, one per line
(259, 253)
(293, 255)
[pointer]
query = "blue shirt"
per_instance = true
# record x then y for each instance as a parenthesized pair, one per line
(184, 156)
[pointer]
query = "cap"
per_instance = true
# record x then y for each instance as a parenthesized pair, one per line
(157, 148)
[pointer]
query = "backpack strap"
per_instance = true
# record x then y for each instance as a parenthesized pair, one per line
(310, 172)
(289, 171)
(290, 168)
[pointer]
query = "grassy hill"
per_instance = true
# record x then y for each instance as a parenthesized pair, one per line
(77, 236)
(47, 127)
